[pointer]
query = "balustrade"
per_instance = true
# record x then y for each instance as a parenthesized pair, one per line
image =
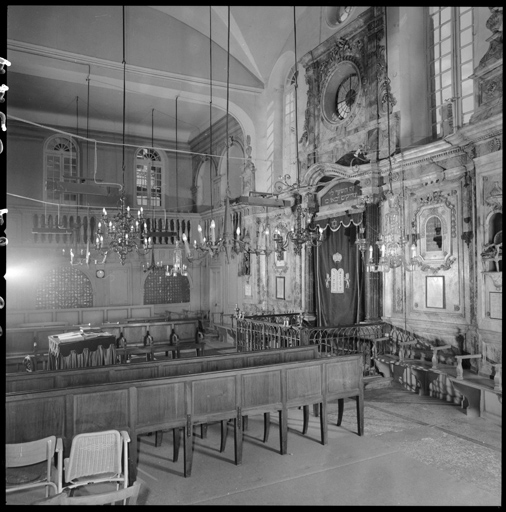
(54, 228)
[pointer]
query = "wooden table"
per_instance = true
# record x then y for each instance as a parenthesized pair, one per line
(77, 349)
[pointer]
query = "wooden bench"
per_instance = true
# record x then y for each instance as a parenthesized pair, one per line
(168, 348)
(148, 370)
(180, 402)
(473, 387)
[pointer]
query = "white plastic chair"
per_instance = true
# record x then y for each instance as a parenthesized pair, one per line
(97, 457)
(30, 465)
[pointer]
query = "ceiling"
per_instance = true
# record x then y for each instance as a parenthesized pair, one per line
(67, 64)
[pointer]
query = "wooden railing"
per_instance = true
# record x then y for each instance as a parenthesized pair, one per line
(36, 226)
(255, 333)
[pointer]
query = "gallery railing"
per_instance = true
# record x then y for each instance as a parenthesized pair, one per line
(254, 334)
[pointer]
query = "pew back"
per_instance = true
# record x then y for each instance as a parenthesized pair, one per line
(45, 380)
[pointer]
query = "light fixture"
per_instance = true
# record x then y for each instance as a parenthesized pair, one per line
(213, 246)
(125, 232)
(304, 232)
(392, 243)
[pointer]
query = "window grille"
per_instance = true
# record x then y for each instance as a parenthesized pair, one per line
(289, 142)
(148, 176)
(60, 165)
(64, 288)
(451, 66)
(162, 289)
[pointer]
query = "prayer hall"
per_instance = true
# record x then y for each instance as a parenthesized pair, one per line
(252, 255)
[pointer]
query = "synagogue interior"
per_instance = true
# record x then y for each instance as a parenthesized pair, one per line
(225, 221)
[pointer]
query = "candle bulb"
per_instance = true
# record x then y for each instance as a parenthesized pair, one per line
(104, 211)
(370, 252)
(128, 211)
(413, 251)
(200, 234)
(238, 231)
(212, 232)
(195, 243)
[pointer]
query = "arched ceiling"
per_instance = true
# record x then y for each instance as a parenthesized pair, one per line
(67, 63)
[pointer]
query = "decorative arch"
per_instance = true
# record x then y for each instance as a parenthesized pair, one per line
(235, 169)
(204, 179)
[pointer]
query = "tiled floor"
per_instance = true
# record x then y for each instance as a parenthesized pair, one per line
(415, 451)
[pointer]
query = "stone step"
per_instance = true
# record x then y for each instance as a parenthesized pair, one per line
(377, 382)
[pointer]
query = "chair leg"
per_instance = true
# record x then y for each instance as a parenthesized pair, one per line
(340, 410)
(360, 413)
(224, 434)
(283, 431)
(238, 440)
(323, 422)
(267, 425)
(188, 450)
(176, 441)
(305, 414)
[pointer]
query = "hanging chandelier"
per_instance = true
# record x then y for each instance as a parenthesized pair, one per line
(123, 232)
(304, 232)
(392, 243)
(227, 242)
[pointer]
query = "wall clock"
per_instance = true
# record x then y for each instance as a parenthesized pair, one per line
(100, 273)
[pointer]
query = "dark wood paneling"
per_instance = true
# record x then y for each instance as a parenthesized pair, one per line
(100, 411)
(261, 388)
(161, 404)
(213, 395)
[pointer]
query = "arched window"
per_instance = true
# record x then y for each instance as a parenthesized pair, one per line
(149, 172)
(289, 142)
(61, 165)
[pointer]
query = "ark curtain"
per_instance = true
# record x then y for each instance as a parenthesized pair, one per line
(338, 280)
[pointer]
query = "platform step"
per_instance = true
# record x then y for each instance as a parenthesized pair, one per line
(377, 382)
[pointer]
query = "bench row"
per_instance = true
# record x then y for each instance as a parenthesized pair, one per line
(180, 402)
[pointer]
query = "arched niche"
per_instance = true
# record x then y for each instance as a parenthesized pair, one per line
(234, 172)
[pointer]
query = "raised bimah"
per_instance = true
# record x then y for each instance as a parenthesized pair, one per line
(81, 349)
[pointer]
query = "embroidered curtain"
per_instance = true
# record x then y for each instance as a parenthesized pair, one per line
(339, 275)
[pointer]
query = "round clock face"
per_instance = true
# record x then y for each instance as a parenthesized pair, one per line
(100, 273)
(341, 94)
(346, 96)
